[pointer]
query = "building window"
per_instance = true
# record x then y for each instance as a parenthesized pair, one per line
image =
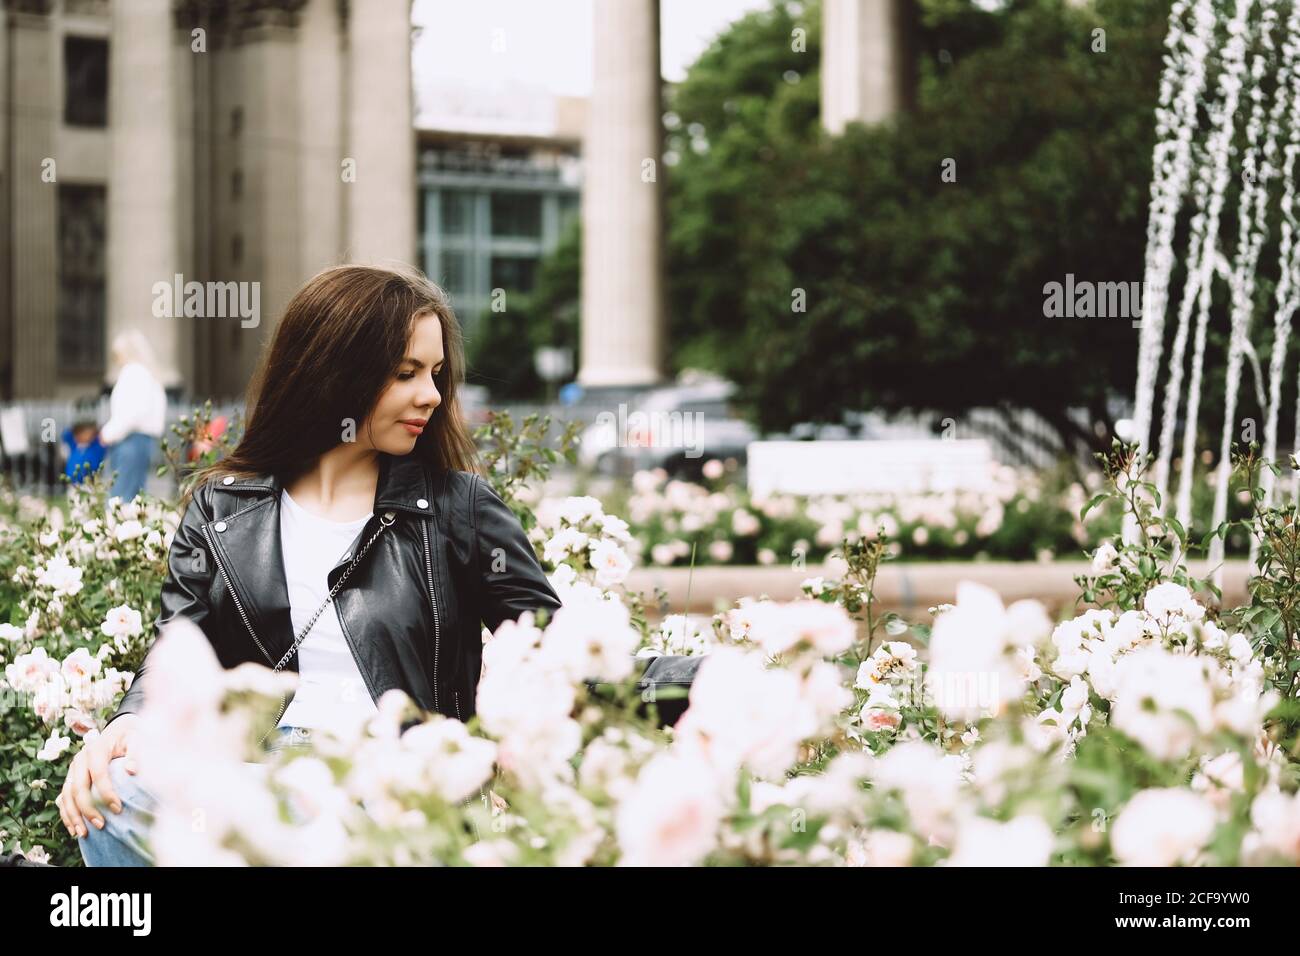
(456, 274)
(237, 184)
(513, 273)
(82, 295)
(457, 213)
(568, 209)
(236, 120)
(517, 215)
(237, 248)
(85, 81)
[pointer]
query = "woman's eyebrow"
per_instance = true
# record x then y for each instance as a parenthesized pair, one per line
(417, 363)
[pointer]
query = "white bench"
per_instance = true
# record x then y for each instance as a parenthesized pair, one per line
(848, 467)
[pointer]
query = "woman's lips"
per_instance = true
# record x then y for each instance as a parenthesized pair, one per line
(413, 425)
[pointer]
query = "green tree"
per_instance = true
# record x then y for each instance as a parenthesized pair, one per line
(919, 293)
(501, 355)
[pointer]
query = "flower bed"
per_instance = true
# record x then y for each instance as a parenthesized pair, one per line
(1152, 729)
(1025, 516)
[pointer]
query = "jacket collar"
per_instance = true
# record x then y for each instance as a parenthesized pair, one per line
(405, 484)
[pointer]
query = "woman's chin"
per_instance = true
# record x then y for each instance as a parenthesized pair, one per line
(401, 444)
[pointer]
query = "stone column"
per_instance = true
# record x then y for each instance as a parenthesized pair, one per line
(622, 222)
(6, 283)
(144, 180)
(320, 124)
(866, 71)
(273, 155)
(380, 203)
(33, 203)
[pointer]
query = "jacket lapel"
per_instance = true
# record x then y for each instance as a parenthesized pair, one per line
(252, 557)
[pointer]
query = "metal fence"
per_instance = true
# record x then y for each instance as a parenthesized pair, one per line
(33, 462)
(1018, 437)
(33, 454)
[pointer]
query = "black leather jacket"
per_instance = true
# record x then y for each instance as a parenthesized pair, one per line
(453, 558)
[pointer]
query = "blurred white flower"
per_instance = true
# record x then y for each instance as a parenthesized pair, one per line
(744, 713)
(128, 531)
(929, 781)
(880, 847)
(1162, 700)
(457, 763)
(780, 627)
(1162, 827)
(1025, 840)
(671, 815)
(973, 670)
(593, 641)
(1275, 817)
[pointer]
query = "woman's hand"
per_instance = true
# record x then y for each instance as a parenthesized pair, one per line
(90, 767)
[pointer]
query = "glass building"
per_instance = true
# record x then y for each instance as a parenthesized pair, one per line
(491, 206)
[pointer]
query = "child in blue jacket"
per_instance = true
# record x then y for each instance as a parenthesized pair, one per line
(85, 452)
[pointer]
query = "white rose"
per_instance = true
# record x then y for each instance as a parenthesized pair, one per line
(1162, 827)
(1104, 558)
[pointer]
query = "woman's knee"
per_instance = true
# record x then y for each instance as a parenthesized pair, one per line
(132, 795)
(128, 785)
(121, 841)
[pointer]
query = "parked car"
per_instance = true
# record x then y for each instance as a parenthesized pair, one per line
(816, 431)
(677, 427)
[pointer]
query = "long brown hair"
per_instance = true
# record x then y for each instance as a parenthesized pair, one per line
(342, 338)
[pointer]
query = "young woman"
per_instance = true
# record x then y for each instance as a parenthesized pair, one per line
(348, 537)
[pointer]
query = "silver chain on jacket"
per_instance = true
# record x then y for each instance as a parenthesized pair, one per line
(384, 522)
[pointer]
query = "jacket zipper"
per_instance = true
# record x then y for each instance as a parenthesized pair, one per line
(428, 566)
(458, 716)
(240, 608)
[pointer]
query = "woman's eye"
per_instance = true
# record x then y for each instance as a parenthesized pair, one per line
(404, 376)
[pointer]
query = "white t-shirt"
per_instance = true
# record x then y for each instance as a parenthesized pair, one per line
(331, 692)
(138, 404)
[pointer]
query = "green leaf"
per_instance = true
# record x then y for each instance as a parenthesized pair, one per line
(1094, 502)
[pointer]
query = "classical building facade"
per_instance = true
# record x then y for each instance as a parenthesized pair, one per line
(140, 140)
(254, 142)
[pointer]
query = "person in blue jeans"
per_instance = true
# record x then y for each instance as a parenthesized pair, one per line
(124, 839)
(137, 412)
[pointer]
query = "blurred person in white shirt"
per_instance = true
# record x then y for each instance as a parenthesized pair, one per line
(137, 409)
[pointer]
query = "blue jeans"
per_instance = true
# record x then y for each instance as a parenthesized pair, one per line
(124, 839)
(130, 460)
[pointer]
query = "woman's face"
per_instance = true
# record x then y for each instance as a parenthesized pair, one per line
(410, 398)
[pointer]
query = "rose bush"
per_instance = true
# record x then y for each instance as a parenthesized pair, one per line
(1149, 728)
(1023, 516)
(79, 585)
